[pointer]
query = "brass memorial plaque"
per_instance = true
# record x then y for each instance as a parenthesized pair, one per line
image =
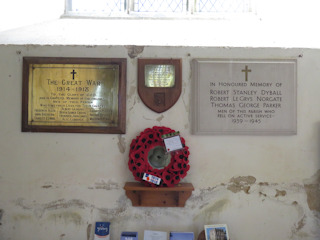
(159, 75)
(74, 95)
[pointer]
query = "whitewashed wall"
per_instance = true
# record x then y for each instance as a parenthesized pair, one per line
(54, 186)
(20, 13)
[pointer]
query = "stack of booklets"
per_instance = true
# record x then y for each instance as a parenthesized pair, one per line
(181, 236)
(129, 236)
(158, 235)
(102, 231)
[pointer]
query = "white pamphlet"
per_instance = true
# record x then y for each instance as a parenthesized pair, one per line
(155, 235)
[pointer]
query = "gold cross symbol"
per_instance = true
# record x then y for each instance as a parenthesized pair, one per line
(246, 70)
(73, 73)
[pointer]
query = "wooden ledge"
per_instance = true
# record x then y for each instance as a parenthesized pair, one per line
(142, 196)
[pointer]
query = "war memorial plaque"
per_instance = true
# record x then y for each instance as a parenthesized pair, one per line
(159, 82)
(74, 95)
(249, 97)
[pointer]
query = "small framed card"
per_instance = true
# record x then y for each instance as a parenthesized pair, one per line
(173, 143)
(216, 232)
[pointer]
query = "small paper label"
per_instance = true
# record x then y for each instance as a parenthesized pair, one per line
(150, 178)
(173, 143)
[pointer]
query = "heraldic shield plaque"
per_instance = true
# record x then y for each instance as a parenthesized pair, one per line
(159, 82)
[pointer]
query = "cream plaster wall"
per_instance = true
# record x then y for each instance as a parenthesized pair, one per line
(54, 186)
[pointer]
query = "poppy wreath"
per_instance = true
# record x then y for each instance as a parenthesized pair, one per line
(139, 164)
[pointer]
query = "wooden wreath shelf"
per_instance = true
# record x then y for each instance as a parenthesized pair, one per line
(142, 196)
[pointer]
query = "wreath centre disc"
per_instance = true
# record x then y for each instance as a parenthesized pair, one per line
(158, 157)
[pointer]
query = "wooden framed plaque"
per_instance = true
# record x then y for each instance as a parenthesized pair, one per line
(159, 82)
(76, 95)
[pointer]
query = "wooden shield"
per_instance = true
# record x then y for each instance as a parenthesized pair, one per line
(159, 82)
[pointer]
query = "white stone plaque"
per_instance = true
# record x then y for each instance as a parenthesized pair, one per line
(252, 97)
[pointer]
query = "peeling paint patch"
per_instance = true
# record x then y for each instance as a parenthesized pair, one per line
(160, 118)
(19, 202)
(241, 184)
(243, 180)
(21, 217)
(60, 204)
(298, 226)
(280, 193)
(134, 51)
(62, 236)
(39, 210)
(67, 217)
(107, 185)
(132, 91)
(149, 119)
(262, 194)
(186, 106)
(200, 196)
(301, 223)
(115, 214)
(121, 144)
(134, 103)
(312, 187)
(218, 206)
(209, 211)
(70, 212)
(263, 184)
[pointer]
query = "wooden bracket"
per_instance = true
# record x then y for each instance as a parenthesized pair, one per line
(142, 196)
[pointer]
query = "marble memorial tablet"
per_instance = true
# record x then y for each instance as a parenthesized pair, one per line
(253, 97)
